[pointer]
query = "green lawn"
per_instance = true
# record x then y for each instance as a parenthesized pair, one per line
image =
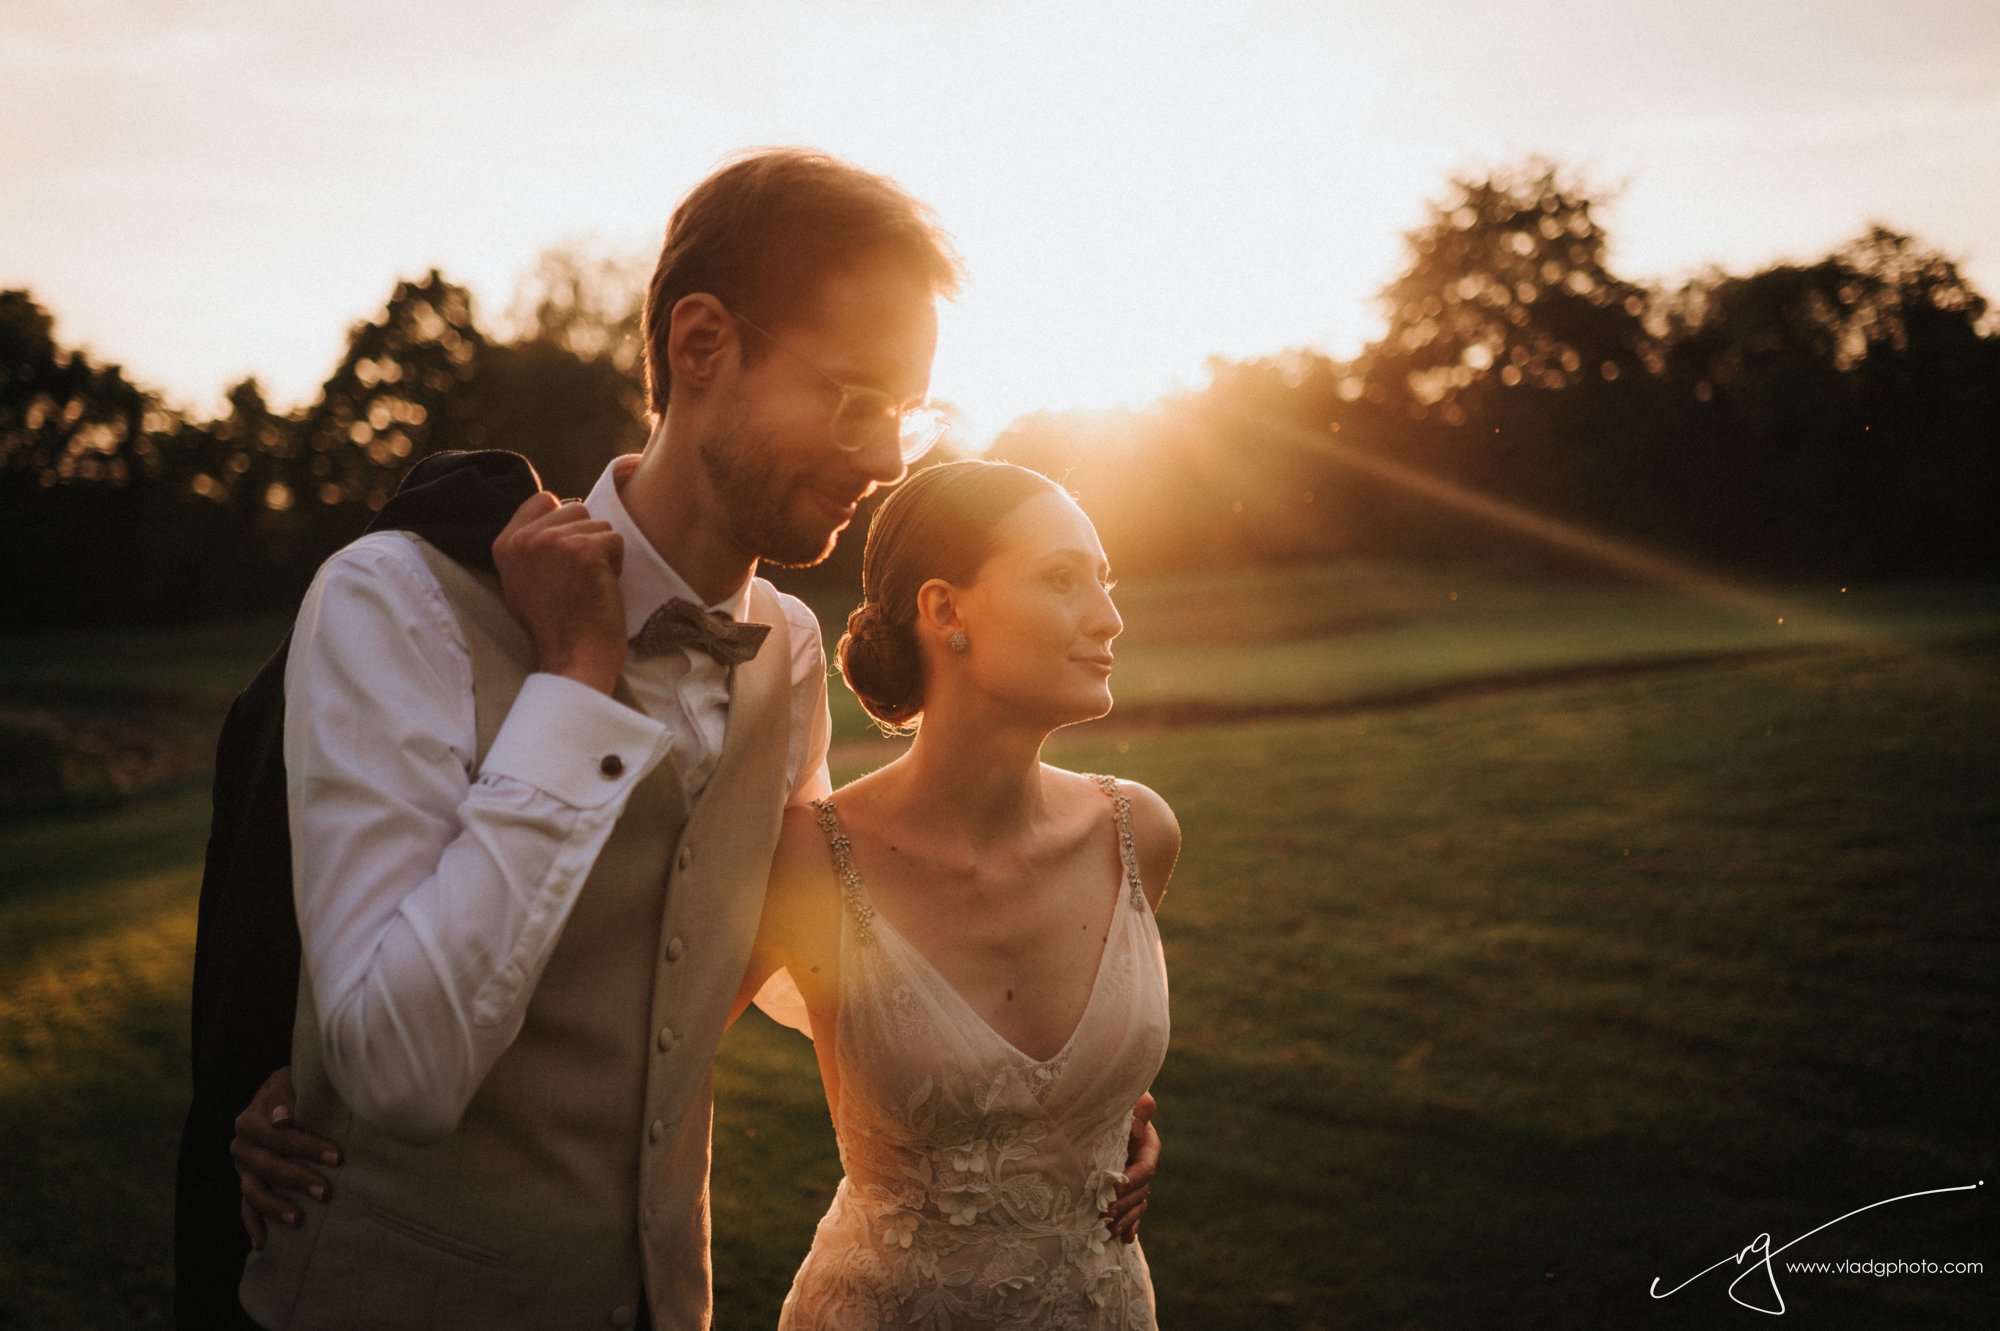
(1246, 640)
(96, 946)
(206, 665)
(1275, 642)
(1489, 1012)
(1489, 1009)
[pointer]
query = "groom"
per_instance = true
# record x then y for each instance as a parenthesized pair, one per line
(532, 821)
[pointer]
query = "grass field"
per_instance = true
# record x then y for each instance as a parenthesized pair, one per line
(1491, 1005)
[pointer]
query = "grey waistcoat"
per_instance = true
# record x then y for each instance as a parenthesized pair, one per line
(577, 1181)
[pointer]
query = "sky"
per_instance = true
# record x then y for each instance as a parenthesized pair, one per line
(210, 189)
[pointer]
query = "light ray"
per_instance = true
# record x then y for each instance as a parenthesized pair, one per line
(1610, 552)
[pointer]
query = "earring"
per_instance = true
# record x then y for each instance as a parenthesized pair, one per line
(958, 642)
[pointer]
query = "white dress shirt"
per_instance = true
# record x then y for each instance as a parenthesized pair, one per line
(431, 894)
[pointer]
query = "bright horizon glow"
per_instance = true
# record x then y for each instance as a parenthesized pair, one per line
(209, 193)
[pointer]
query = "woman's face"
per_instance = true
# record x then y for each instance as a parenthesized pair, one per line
(1038, 615)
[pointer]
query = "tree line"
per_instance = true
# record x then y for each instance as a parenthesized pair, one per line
(1836, 418)
(116, 509)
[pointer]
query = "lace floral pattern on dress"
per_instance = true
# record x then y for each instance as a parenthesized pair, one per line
(966, 1219)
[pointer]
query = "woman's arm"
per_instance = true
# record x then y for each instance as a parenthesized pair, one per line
(799, 930)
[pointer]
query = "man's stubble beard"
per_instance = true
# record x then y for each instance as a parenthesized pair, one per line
(742, 467)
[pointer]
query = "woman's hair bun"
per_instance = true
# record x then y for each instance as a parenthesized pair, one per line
(879, 661)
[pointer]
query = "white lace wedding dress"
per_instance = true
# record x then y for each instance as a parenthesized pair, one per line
(975, 1175)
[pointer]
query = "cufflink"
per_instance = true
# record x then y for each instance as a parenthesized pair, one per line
(612, 765)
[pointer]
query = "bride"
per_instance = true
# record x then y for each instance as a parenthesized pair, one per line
(971, 931)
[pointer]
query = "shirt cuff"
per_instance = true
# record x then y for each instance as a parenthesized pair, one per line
(573, 743)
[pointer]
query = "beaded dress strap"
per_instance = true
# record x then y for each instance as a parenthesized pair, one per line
(1128, 846)
(843, 866)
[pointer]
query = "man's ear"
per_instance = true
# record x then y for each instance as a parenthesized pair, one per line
(701, 337)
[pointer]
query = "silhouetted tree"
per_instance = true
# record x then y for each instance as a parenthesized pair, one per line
(75, 451)
(587, 303)
(396, 396)
(569, 391)
(1852, 407)
(1507, 286)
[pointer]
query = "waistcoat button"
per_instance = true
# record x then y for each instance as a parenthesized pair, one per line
(675, 947)
(622, 1316)
(686, 856)
(657, 1131)
(666, 1037)
(612, 765)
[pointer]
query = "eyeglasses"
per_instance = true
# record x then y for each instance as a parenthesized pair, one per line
(867, 416)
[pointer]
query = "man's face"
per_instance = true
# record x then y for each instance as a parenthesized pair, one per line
(786, 487)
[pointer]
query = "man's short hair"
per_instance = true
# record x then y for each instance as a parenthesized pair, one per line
(761, 233)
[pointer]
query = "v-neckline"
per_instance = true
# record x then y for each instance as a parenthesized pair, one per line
(1089, 1003)
(880, 921)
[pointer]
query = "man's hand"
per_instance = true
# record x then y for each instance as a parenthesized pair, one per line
(1142, 1161)
(559, 575)
(265, 1150)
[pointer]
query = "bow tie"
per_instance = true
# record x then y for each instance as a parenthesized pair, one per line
(682, 623)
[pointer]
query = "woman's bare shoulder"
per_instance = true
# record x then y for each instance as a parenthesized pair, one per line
(1158, 836)
(1155, 832)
